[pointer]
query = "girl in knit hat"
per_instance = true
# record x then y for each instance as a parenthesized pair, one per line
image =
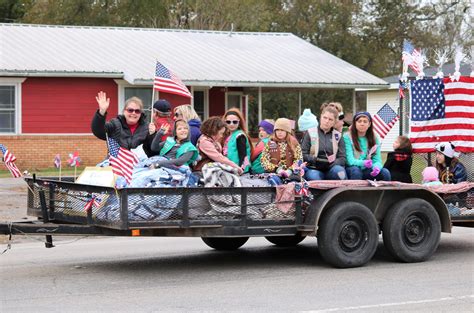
(282, 152)
(265, 130)
(451, 171)
(237, 146)
(363, 157)
(430, 176)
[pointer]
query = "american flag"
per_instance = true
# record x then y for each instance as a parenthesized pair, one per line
(121, 160)
(74, 159)
(302, 189)
(442, 110)
(384, 120)
(401, 87)
(93, 202)
(167, 81)
(410, 55)
(9, 160)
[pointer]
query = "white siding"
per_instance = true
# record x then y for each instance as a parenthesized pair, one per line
(375, 100)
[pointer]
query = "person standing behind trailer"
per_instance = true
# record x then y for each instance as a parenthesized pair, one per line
(451, 171)
(210, 144)
(162, 116)
(363, 157)
(281, 153)
(177, 148)
(325, 157)
(187, 113)
(129, 129)
(265, 130)
(400, 160)
(237, 146)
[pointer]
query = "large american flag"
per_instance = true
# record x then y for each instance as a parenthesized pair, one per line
(9, 160)
(384, 120)
(410, 55)
(121, 160)
(442, 110)
(167, 81)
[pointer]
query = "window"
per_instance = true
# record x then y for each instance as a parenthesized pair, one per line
(7, 109)
(200, 103)
(143, 93)
(234, 100)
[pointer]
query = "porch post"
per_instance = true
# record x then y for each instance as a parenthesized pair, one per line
(259, 104)
(192, 99)
(299, 102)
(354, 108)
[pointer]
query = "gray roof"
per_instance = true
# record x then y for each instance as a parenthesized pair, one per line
(199, 58)
(448, 69)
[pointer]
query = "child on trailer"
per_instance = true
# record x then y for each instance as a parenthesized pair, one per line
(282, 155)
(265, 130)
(363, 157)
(451, 171)
(237, 146)
(431, 176)
(399, 161)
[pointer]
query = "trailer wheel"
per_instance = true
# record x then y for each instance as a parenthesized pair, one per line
(412, 230)
(348, 235)
(225, 243)
(286, 241)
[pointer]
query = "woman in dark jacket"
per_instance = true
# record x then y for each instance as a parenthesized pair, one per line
(399, 161)
(130, 129)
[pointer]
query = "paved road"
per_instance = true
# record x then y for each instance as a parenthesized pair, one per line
(182, 274)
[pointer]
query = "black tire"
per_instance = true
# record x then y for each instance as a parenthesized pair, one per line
(224, 243)
(348, 235)
(412, 230)
(286, 241)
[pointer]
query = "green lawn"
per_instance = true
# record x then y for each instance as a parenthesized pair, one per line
(45, 171)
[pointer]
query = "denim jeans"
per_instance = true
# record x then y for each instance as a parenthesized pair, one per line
(336, 172)
(355, 172)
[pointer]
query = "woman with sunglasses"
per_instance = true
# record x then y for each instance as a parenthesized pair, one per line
(187, 113)
(129, 129)
(363, 157)
(237, 146)
(210, 144)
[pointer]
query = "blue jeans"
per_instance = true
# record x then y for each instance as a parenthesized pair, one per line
(355, 172)
(336, 172)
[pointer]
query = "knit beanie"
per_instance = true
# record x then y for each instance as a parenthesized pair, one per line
(283, 124)
(447, 149)
(307, 120)
(429, 174)
(267, 126)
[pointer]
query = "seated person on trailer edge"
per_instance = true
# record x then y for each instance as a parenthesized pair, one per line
(129, 129)
(325, 154)
(363, 157)
(178, 148)
(210, 144)
(282, 153)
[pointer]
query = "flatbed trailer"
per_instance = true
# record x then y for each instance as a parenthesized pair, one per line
(347, 217)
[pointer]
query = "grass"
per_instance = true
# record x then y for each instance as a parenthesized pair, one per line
(46, 171)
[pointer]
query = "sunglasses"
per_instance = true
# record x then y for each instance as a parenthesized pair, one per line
(232, 122)
(136, 111)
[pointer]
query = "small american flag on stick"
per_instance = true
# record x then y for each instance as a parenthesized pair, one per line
(121, 160)
(92, 202)
(167, 81)
(9, 160)
(384, 120)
